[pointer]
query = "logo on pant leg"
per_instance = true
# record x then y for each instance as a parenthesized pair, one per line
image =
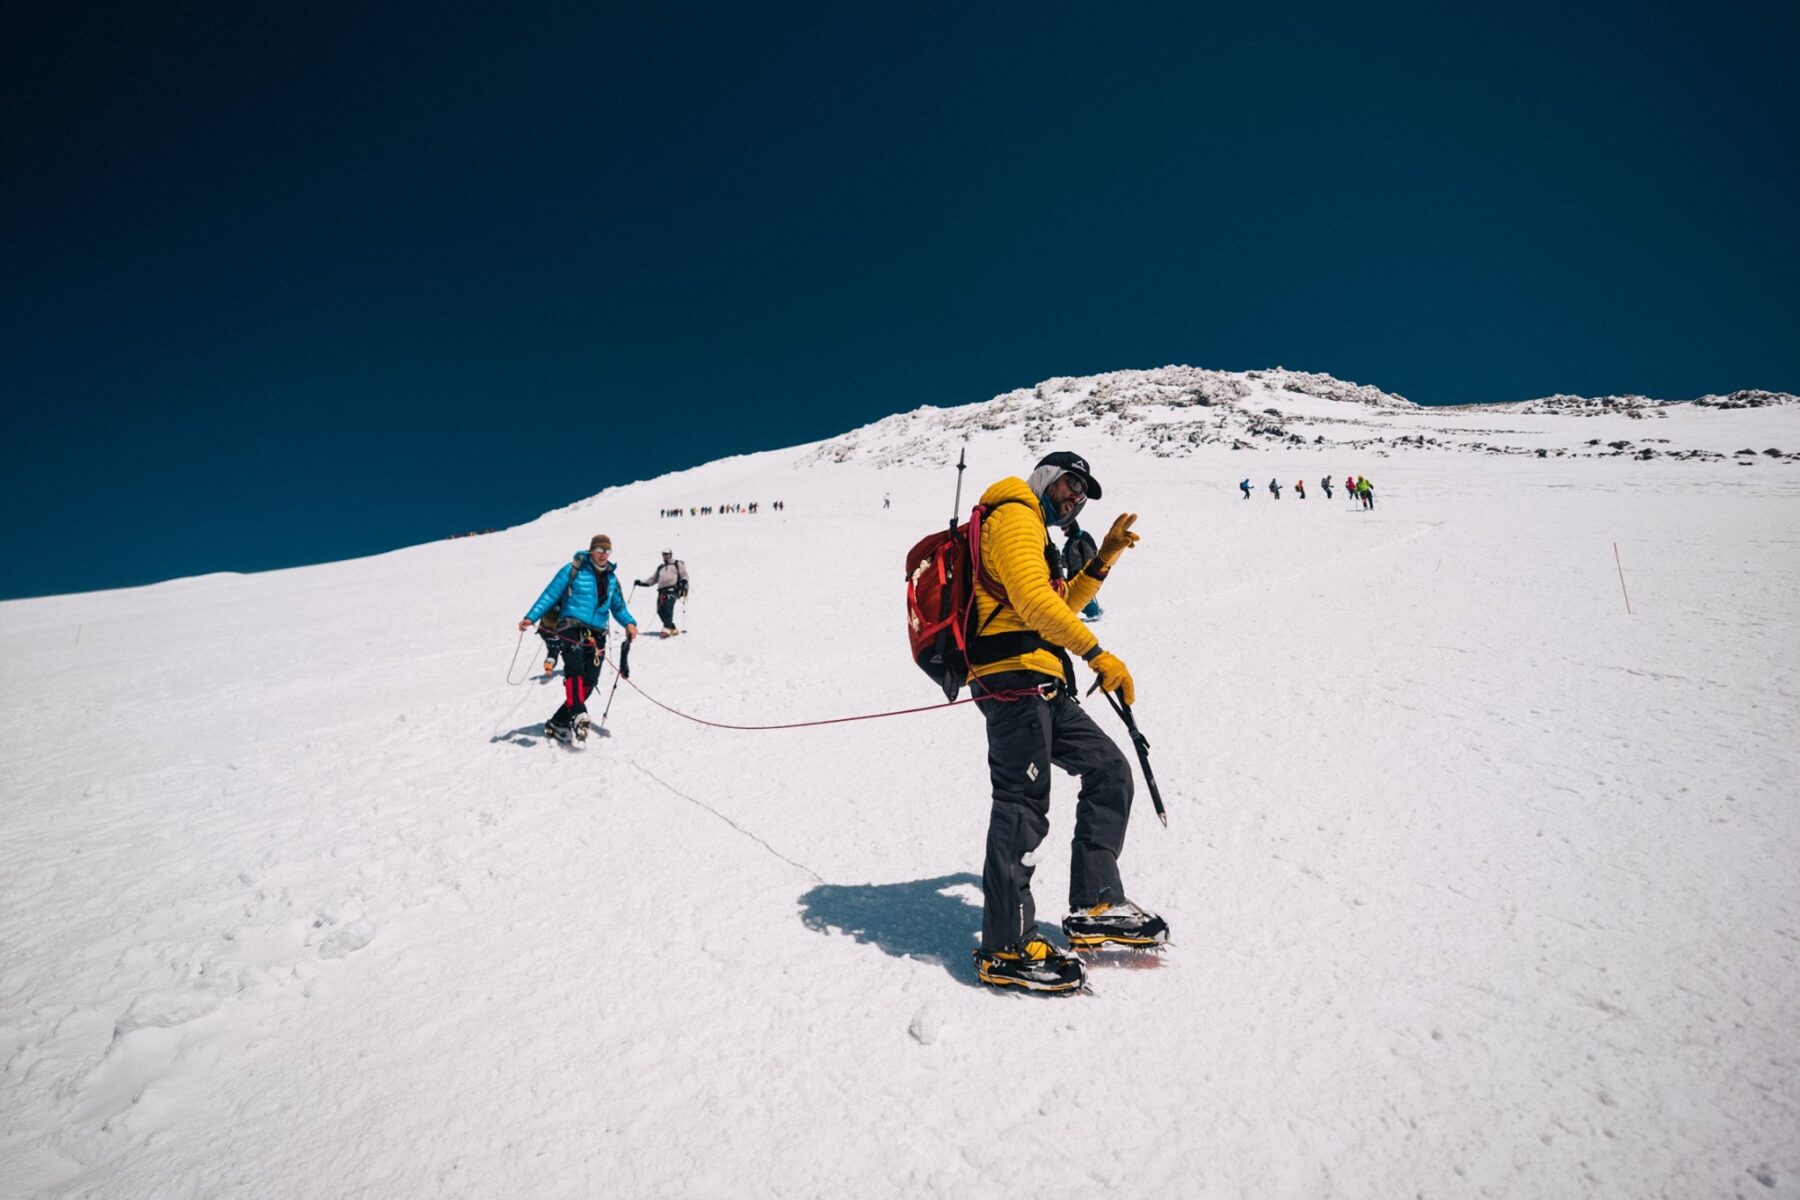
(1031, 772)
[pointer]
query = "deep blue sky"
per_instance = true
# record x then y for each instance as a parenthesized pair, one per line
(294, 282)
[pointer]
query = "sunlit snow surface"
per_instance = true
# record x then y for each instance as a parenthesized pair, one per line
(1480, 884)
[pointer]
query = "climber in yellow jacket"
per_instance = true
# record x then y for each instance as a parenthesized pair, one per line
(1021, 675)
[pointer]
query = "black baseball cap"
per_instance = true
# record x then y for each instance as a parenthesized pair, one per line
(1073, 462)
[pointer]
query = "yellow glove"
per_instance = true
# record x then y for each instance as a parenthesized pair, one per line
(1113, 675)
(1118, 540)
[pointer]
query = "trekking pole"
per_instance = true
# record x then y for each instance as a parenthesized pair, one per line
(622, 671)
(1143, 750)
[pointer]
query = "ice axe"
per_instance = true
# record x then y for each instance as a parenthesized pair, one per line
(1142, 744)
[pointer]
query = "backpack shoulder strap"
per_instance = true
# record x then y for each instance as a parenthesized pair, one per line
(602, 575)
(983, 579)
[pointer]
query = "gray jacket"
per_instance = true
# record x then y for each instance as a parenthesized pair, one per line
(666, 576)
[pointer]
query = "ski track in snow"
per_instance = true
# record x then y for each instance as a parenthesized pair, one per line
(1479, 885)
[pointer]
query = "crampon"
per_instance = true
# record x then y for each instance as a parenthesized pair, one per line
(1116, 934)
(1111, 957)
(1035, 965)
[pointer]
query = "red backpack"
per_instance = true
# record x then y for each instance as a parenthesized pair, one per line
(942, 573)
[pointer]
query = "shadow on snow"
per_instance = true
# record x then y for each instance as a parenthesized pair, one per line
(922, 919)
(533, 734)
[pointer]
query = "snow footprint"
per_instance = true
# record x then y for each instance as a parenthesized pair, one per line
(348, 940)
(163, 1009)
(151, 1039)
(344, 941)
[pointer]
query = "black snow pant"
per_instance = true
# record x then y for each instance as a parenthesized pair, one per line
(1025, 739)
(581, 670)
(553, 647)
(665, 607)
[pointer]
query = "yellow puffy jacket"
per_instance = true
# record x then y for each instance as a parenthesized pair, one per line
(1013, 537)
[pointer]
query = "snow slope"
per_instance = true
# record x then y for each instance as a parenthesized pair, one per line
(1480, 884)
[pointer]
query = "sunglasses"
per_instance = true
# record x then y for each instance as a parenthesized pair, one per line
(1076, 484)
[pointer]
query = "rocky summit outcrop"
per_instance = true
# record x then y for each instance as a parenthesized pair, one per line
(1174, 411)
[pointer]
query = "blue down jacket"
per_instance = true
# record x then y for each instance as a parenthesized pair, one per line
(586, 602)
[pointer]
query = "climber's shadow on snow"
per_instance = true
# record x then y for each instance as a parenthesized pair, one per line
(533, 735)
(524, 735)
(933, 920)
